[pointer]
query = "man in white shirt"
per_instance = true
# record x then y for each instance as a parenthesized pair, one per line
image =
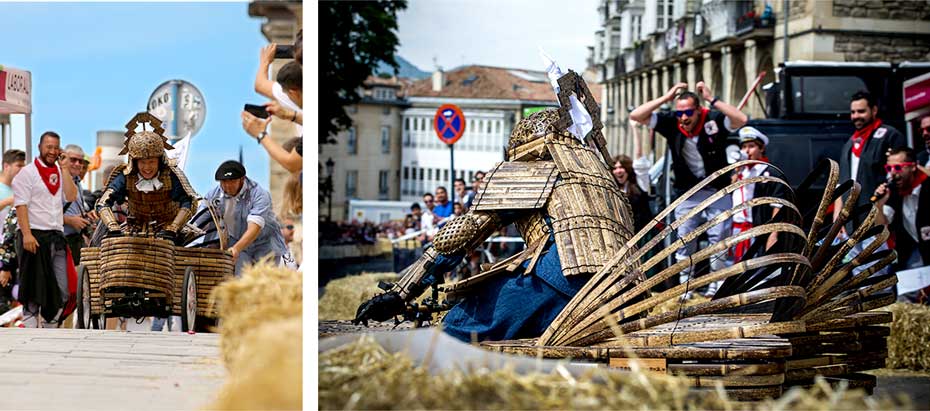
(901, 207)
(37, 195)
(428, 219)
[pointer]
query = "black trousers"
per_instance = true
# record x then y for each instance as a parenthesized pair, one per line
(75, 242)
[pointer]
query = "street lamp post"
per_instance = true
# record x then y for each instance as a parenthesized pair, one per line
(329, 184)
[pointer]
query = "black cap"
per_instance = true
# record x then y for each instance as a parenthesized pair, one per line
(230, 170)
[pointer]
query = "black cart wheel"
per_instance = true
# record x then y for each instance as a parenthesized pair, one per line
(189, 300)
(83, 298)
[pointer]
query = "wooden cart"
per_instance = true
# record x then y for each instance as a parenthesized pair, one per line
(140, 276)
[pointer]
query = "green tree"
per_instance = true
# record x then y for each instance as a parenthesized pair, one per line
(355, 36)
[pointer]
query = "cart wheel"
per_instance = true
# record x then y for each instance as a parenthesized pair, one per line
(83, 298)
(189, 300)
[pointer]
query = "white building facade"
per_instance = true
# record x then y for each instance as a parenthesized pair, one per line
(426, 159)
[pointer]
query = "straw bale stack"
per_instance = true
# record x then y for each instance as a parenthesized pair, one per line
(362, 375)
(260, 339)
(342, 296)
(269, 377)
(262, 295)
(910, 333)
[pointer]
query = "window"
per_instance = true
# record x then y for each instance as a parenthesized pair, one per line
(385, 139)
(429, 174)
(352, 142)
(445, 175)
(383, 184)
(405, 186)
(421, 174)
(351, 183)
(824, 94)
(386, 110)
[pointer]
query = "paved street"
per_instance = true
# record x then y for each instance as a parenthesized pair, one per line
(57, 369)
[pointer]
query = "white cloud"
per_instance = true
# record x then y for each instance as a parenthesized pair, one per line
(497, 33)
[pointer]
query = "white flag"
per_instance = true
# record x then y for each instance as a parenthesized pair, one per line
(179, 154)
(581, 120)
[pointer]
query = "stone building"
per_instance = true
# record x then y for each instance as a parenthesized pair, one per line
(366, 158)
(645, 46)
(283, 19)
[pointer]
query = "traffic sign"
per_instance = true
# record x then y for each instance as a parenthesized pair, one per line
(449, 123)
(181, 106)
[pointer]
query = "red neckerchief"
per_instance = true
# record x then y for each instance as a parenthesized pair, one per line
(861, 136)
(50, 176)
(914, 184)
(698, 127)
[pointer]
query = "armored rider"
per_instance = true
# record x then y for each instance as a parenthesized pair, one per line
(159, 195)
(571, 214)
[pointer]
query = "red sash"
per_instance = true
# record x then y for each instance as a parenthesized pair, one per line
(50, 176)
(743, 246)
(861, 136)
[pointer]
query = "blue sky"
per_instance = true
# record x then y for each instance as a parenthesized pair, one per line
(94, 66)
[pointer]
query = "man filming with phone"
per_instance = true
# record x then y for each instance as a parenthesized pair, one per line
(287, 95)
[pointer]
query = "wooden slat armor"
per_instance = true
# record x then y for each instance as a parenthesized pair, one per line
(532, 227)
(154, 206)
(517, 185)
(591, 217)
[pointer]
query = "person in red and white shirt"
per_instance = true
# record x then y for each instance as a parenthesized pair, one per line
(40, 242)
(753, 143)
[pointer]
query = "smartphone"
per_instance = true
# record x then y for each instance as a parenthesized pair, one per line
(257, 111)
(284, 52)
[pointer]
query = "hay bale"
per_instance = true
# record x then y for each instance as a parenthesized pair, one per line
(910, 332)
(261, 339)
(362, 375)
(269, 377)
(342, 296)
(263, 294)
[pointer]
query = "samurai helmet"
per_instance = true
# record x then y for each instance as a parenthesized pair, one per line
(536, 126)
(145, 143)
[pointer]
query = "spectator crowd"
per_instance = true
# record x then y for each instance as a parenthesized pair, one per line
(48, 214)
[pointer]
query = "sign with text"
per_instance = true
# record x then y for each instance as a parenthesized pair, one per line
(916, 96)
(449, 123)
(15, 91)
(180, 105)
(645, 364)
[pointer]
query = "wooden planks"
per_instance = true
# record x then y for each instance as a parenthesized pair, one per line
(517, 186)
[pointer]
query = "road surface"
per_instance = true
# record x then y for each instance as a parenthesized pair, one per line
(63, 369)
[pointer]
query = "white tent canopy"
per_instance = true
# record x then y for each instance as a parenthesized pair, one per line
(16, 98)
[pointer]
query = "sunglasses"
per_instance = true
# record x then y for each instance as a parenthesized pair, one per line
(897, 168)
(689, 112)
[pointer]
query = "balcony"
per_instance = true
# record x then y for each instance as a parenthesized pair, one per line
(750, 20)
(721, 16)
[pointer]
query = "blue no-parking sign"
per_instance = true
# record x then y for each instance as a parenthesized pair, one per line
(449, 123)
